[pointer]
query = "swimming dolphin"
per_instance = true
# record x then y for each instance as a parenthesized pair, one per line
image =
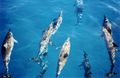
(43, 44)
(6, 50)
(79, 9)
(63, 56)
(53, 27)
(49, 32)
(112, 48)
(107, 24)
(43, 69)
(87, 66)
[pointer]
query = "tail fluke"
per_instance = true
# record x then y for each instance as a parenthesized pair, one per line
(110, 74)
(6, 76)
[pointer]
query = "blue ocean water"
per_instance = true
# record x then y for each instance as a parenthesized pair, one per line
(29, 18)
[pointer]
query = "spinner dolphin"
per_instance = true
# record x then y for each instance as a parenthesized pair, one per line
(6, 50)
(112, 48)
(45, 40)
(63, 56)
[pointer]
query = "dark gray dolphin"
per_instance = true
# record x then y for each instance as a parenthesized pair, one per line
(6, 50)
(78, 10)
(63, 57)
(112, 48)
(111, 45)
(43, 69)
(86, 66)
(45, 40)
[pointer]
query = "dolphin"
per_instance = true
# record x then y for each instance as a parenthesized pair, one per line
(43, 44)
(45, 41)
(50, 31)
(79, 9)
(43, 69)
(112, 48)
(6, 50)
(63, 56)
(87, 66)
(55, 24)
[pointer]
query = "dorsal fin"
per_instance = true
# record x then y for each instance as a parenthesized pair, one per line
(15, 41)
(115, 45)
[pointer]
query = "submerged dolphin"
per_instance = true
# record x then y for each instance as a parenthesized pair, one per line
(87, 66)
(43, 69)
(63, 56)
(53, 27)
(6, 50)
(79, 10)
(112, 48)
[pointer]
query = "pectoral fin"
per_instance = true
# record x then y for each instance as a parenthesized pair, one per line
(15, 41)
(5, 45)
(115, 45)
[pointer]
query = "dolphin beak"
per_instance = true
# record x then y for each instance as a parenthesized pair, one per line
(61, 13)
(105, 18)
(68, 39)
